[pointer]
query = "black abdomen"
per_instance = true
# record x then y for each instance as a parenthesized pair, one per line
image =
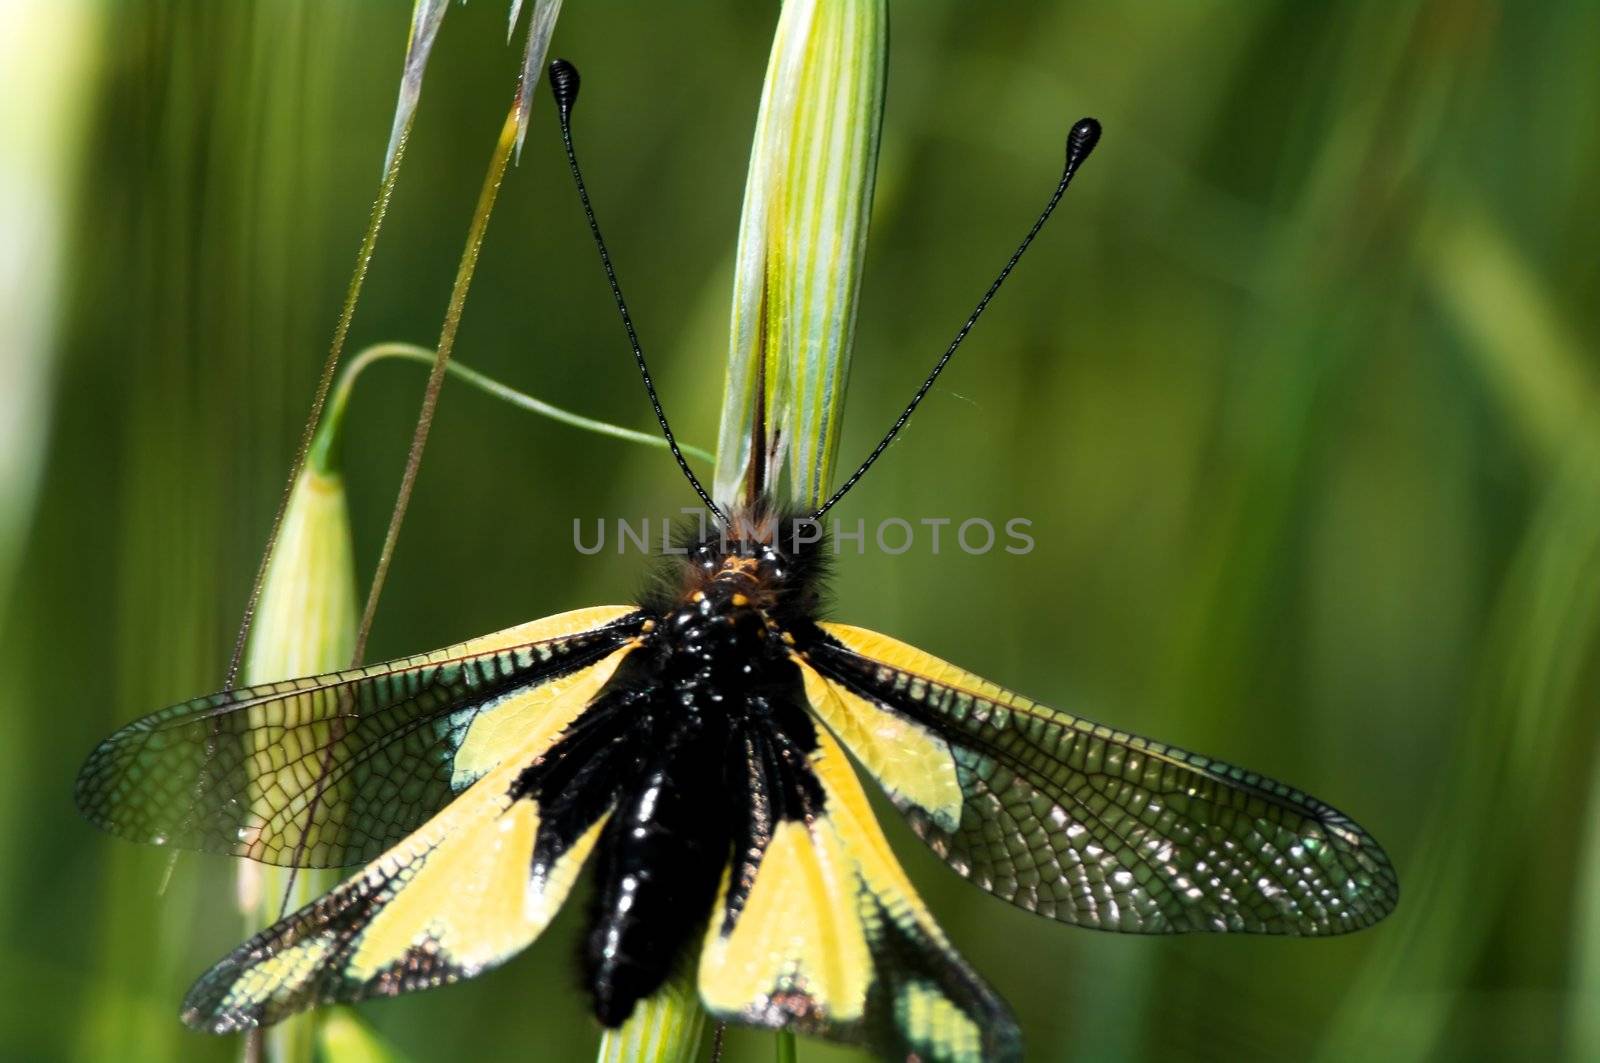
(659, 865)
(710, 716)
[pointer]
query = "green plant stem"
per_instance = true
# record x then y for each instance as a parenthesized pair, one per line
(786, 1050)
(498, 160)
(325, 446)
(496, 173)
(253, 1046)
(341, 330)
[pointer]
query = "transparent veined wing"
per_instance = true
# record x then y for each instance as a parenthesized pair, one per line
(330, 771)
(818, 930)
(1084, 823)
(466, 891)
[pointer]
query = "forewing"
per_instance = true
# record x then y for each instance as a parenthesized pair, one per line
(470, 888)
(331, 770)
(1092, 826)
(832, 940)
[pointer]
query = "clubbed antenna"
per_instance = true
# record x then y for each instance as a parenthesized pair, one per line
(1081, 140)
(564, 83)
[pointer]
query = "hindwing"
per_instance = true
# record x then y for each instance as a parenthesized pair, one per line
(831, 939)
(469, 889)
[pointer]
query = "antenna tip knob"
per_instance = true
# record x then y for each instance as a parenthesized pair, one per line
(564, 82)
(1081, 140)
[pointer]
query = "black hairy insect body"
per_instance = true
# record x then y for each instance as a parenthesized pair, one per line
(693, 751)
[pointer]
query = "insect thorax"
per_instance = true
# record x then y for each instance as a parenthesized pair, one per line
(765, 559)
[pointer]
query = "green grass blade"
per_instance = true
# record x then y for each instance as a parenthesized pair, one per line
(665, 1028)
(802, 240)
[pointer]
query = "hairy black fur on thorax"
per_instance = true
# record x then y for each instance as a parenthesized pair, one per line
(697, 744)
(775, 557)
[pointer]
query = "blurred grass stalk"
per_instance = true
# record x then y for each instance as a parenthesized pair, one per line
(305, 624)
(1584, 1030)
(797, 278)
(541, 24)
(1532, 690)
(305, 620)
(302, 619)
(48, 55)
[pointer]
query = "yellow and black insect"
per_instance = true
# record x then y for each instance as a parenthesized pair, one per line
(693, 747)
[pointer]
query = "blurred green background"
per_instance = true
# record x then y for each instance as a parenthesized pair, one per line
(1300, 394)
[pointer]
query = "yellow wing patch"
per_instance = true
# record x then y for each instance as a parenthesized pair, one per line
(910, 762)
(538, 714)
(928, 1017)
(470, 899)
(798, 946)
(833, 940)
(458, 895)
(561, 625)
